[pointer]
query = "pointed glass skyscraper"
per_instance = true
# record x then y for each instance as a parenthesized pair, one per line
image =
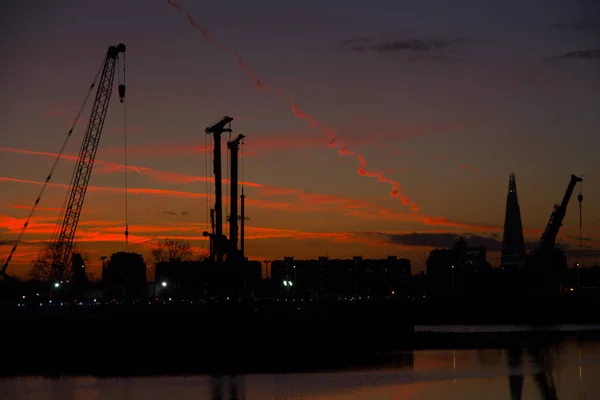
(513, 242)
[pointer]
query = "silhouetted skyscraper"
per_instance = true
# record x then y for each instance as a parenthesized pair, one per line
(513, 242)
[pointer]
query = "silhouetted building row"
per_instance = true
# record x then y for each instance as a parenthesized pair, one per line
(461, 268)
(326, 277)
(205, 278)
(124, 275)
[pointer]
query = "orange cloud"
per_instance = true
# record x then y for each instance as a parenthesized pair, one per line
(110, 189)
(18, 206)
(309, 201)
(112, 167)
(36, 225)
(443, 221)
(154, 150)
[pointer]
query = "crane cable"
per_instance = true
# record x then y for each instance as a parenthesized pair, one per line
(124, 101)
(54, 165)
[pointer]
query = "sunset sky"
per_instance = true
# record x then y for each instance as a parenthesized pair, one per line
(373, 127)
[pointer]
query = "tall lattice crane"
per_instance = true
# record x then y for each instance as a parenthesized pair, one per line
(63, 246)
(85, 162)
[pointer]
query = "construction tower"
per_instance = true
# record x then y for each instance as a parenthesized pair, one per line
(513, 242)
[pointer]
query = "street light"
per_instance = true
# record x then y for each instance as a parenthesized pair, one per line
(288, 285)
(164, 284)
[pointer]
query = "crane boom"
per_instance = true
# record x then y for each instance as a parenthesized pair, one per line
(548, 238)
(85, 162)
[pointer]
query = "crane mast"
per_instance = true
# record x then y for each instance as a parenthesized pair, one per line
(219, 240)
(85, 162)
(234, 146)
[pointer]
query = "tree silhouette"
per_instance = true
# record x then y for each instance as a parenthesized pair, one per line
(41, 268)
(172, 250)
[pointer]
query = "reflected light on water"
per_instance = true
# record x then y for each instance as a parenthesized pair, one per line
(493, 374)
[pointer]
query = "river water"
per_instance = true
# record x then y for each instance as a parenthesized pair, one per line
(569, 370)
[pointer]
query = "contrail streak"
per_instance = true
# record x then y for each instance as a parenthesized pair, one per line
(315, 123)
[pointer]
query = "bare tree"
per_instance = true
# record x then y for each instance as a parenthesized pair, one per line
(41, 268)
(172, 250)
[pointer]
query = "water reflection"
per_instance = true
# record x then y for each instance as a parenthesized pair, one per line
(235, 384)
(517, 370)
(542, 360)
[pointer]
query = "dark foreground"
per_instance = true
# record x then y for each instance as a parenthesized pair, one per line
(189, 338)
(255, 337)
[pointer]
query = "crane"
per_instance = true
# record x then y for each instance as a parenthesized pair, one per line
(233, 197)
(70, 214)
(548, 238)
(85, 162)
(218, 239)
(547, 261)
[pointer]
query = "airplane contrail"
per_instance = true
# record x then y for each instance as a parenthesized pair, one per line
(315, 123)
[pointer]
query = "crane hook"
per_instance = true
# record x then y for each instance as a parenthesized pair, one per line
(122, 92)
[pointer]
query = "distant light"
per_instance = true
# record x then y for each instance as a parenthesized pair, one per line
(23, 296)
(164, 284)
(393, 292)
(56, 284)
(37, 294)
(83, 266)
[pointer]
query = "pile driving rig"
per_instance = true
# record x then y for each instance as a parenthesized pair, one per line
(221, 248)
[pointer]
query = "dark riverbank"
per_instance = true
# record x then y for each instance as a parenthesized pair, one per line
(232, 338)
(189, 338)
(506, 309)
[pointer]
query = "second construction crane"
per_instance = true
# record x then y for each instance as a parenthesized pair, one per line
(547, 262)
